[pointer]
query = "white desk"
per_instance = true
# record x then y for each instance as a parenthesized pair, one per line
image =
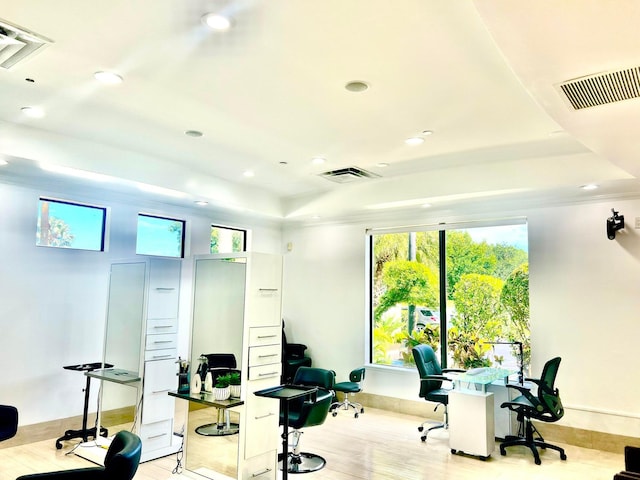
(491, 380)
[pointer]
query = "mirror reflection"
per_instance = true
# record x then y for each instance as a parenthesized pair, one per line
(216, 350)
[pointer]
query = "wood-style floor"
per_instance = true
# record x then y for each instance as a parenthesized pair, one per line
(377, 445)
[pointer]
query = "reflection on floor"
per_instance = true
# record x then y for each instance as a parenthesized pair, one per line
(206, 454)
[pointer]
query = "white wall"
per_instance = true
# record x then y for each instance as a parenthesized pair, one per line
(584, 296)
(53, 301)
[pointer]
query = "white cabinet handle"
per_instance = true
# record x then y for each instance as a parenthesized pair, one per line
(267, 289)
(161, 391)
(270, 414)
(163, 356)
(162, 326)
(266, 336)
(270, 374)
(157, 436)
(262, 472)
(165, 289)
(163, 341)
(267, 356)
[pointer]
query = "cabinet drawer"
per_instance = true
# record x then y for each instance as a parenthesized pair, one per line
(260, 372)
(156, 435)
(261, 467)
(162, 325)
(265, 336)
(164, 289)
(264, 355)
(161, 341)
(162, 354)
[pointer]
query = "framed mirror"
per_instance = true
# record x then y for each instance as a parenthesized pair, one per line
(217, 330)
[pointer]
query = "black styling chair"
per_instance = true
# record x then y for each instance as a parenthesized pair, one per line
(120, 463)
(308, 412)
(293, 357)
(545, 406)
(354, 385)
(8, 422)
(431, 378)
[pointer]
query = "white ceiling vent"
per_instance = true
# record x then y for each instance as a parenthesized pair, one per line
(603, 88)
(349, 174)
(17, 44)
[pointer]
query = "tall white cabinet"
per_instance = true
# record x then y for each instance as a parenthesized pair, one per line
(258, 324)
(142, 336)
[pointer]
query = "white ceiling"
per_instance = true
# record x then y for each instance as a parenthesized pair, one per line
(482, 75)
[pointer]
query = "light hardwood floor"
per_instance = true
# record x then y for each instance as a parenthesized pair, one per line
(377, 445)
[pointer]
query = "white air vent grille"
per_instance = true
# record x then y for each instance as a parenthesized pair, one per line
(17, 44)
(349, 174)
(603, 88)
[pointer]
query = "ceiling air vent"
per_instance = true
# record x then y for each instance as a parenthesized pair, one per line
(346, 175)
(603, 88)
(17, 44)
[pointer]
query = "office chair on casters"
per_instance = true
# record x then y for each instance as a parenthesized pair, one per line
(431, 379)
(354, 385)
(305, 412)
(120, 463)
(545, 407)
(8, 422)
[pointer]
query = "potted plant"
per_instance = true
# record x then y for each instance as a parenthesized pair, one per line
(234, 384)
(221, 389)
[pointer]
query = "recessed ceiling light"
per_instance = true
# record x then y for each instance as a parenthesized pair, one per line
(283, 163)
(108, 78)
(33, 112)
(249, 173)
(414, 141)
(357, 86)
(217, 22)
(382, 165)
(318, 160)
(427, 132)
(202, 203)
(193, 133)
(590, 186)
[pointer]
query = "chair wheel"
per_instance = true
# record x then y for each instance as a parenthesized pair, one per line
(58, 445)
(423, 438)
(453, 451)
(355, 415)
(362, 410)
(420, 429)
(538, 461)
(334, 414)
(563, 456)
(503, 452)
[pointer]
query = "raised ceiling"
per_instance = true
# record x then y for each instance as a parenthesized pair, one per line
(269, 95)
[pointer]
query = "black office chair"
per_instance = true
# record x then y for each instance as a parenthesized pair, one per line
(431, 378)
(354, 385)
(120, 463)
(545, 407)
(8, 422)
(308, 412)
(293, 357)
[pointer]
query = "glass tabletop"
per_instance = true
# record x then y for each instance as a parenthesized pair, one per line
(485, 375)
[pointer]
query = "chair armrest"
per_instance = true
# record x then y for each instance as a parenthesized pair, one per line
(453, 370)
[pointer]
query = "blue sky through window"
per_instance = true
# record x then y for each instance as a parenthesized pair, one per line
(83, 225)
(159, 236)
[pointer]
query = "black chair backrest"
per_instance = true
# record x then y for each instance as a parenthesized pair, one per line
(427, 364)
(357, 375)
(123, 456)
(315, 377)
(548, 395)
(8, 421)
(223, 360)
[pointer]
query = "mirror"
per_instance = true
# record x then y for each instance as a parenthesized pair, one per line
(123, 336)
(218, 316)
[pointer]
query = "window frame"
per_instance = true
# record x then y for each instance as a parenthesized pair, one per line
(103, 223)
(235, 229)
(162, 217)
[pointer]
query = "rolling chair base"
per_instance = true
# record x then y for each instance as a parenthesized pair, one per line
(346, 405)
(532, 443)
(303, 462)
(434, 427)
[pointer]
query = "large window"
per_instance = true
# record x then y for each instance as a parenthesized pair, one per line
(160, 236)
(70, 225)
(465, 292)
(228, 240)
